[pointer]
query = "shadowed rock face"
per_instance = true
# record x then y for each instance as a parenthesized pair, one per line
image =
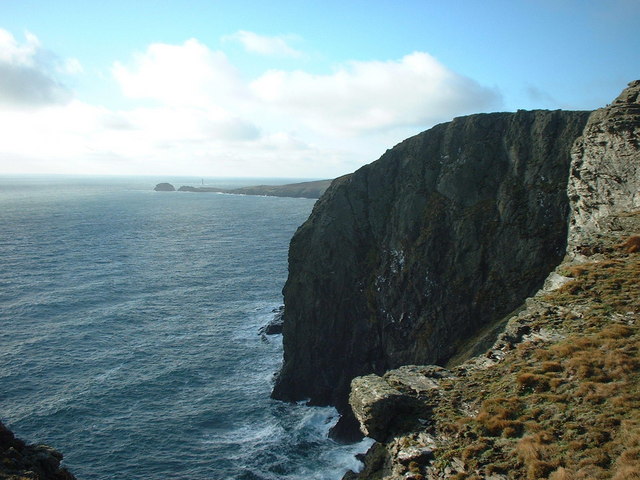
(21, 461)
(404, 259)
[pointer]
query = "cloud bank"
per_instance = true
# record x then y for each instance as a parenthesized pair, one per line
(27, 74)
(362, 97)
(191, 110)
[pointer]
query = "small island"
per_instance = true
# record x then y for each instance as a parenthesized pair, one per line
(164, 187)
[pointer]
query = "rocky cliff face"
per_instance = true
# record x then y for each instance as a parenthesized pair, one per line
(556, 396)
(402, 260)
(605, 173)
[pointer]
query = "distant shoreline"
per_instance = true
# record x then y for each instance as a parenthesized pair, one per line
(313, 189)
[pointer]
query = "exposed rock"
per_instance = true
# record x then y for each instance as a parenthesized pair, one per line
(377, 405)
(164, 187)
(19, 460)
(374, 463)
(408, 256)
(531, 365)
(605, 169)
(274, 326)
(388, 405)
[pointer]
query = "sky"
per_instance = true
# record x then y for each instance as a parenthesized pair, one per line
(300, 89)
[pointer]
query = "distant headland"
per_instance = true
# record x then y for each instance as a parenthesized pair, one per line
(297, 190)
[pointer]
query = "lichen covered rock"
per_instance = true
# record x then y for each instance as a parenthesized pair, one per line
(605, 169)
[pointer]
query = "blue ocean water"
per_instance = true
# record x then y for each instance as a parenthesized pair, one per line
(129, 327)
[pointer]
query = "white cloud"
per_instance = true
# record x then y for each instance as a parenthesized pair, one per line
(27, 77)
(71, 66)
(191, 112)
(263, 45)
(187, 74)
(369, 96)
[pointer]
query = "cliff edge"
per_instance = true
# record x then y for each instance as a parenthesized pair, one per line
(404, 259)
(556, 397)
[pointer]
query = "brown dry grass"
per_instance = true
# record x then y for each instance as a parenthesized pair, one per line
(563, 410)
(631, 244)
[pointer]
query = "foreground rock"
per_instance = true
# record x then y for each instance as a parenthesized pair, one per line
(20, 461)
(556, 395)
(605, 173)
(406, 258)
(164, 187)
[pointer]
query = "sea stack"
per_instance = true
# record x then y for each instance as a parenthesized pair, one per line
(164, 187)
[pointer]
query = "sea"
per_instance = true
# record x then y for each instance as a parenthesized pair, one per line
(130, 331)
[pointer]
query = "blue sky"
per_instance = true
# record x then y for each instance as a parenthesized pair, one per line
(283, 88)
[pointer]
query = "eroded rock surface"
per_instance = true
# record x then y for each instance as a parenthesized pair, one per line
(605, 169)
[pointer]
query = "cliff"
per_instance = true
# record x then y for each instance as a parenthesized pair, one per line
(404, 259)
(20, 461)
(556, 396)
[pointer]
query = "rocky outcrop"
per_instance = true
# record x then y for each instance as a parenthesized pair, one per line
(385, 406)
(21, 461)
(408, 256)
(531, 405)
(164, 187)
(605, 170)
(274, 326)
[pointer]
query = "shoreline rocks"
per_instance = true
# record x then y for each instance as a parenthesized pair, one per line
(19, 460)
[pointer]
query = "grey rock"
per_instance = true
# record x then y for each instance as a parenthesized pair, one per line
(380, 408)
(605, 168)
(399, 400)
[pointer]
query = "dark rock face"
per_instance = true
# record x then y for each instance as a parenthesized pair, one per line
(404, 259)
(274, 327)
(19, 460)
(605, 170)
(164, 187)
